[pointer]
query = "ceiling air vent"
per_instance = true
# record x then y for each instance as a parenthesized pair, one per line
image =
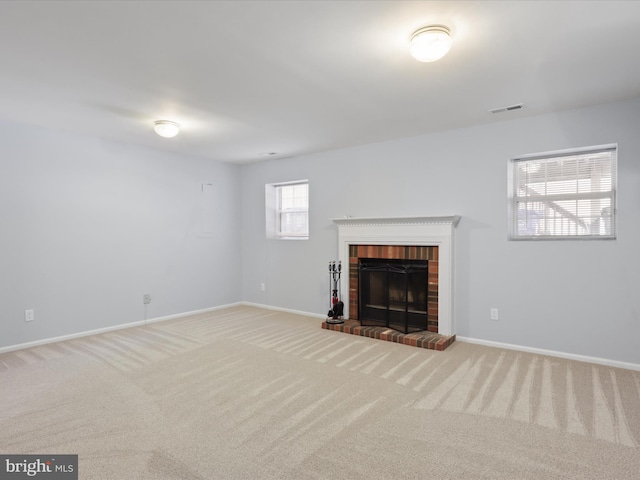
(517, 106)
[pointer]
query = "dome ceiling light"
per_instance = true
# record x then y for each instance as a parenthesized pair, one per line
(166, 128)
(431, 43)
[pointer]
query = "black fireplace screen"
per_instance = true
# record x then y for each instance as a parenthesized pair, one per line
(393, 293)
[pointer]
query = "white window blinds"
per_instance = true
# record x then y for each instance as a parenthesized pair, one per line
(564, 195)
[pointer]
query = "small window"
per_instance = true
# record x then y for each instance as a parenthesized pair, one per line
(288, 210)
(569, 194)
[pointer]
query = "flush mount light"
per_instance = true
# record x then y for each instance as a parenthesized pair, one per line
(166, 128)
(431, 43)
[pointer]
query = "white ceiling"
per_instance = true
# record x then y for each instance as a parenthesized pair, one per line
(248, 77)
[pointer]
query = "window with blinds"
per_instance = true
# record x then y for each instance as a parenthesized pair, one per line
(569, 194)
(293, 210)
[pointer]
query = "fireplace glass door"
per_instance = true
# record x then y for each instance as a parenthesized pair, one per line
(393, 293)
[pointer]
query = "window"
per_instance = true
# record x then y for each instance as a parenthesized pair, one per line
(288, 210)
(569, 194)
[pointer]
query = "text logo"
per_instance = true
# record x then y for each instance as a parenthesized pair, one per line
(45, 467)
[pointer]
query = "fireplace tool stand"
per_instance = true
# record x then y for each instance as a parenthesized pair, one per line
(336, 306)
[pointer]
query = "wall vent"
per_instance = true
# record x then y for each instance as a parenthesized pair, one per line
(517, 106)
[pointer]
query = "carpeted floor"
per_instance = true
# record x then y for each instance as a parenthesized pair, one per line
(247, 393)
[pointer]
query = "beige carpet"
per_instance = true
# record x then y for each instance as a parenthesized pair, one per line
(246, 393)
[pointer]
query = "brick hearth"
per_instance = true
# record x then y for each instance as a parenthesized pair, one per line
(423, 339)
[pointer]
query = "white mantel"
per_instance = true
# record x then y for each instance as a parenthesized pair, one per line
(419, 231)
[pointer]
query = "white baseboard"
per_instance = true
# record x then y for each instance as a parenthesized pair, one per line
(488, 343)
(552, 353)
(193, 312)
(86, 333)
(286, 310)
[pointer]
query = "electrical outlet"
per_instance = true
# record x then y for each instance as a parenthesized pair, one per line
(146, 298)
(28, 315)
(263, 287)
(494, 314)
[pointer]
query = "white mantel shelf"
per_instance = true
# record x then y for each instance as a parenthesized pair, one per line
(426, 231)
(452, 220)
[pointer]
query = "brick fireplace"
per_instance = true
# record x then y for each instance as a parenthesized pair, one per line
(358, 254)
(404, 238)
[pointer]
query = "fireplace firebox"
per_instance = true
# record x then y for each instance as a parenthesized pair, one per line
(393, 293)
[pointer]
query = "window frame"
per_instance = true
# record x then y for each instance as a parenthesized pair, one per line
(274, 211)
(514, 199)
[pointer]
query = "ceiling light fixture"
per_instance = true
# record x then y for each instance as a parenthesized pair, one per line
(166, 128)
(431, 43)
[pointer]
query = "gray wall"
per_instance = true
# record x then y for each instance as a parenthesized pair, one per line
(89, 226)
(578, 297)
